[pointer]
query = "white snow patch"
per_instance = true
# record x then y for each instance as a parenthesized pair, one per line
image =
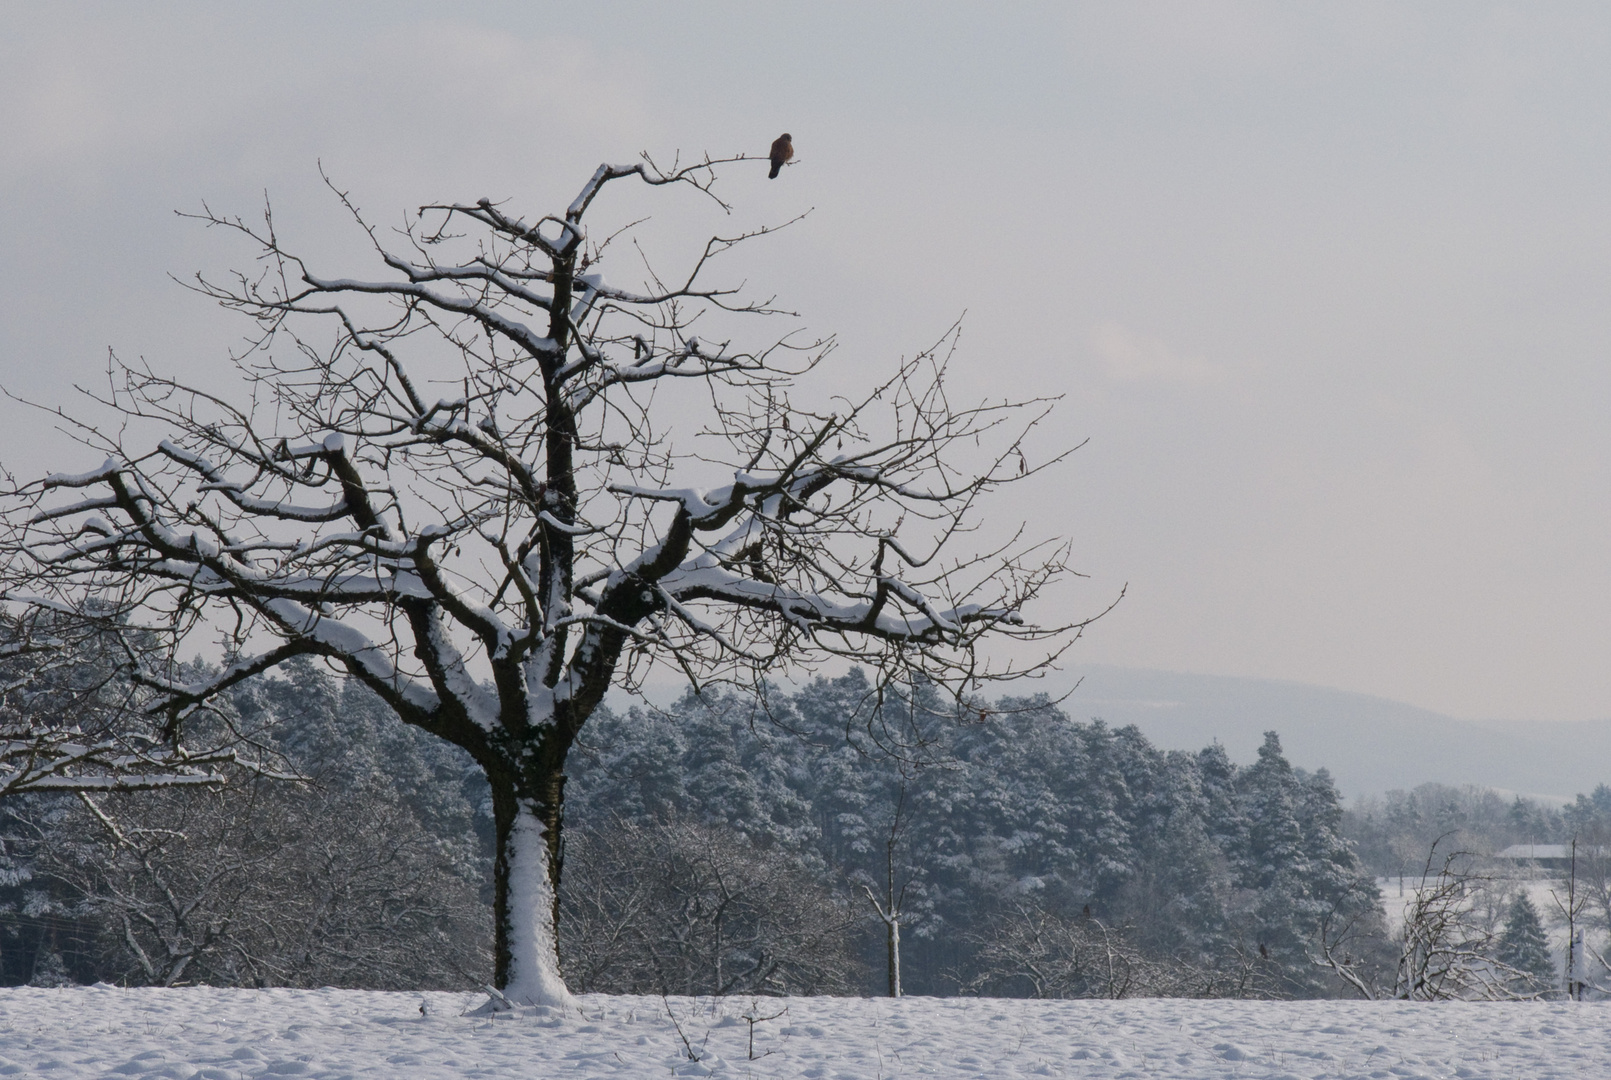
(69, 1034)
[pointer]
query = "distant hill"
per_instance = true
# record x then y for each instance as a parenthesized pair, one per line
(1370, 744)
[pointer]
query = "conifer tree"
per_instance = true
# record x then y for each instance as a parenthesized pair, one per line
(1523, 946)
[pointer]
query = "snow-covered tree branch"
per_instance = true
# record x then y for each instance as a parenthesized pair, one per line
(490, 482)
(70, 722)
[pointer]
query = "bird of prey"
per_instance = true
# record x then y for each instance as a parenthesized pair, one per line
(782, 150)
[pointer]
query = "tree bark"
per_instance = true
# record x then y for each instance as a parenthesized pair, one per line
(894, 935)
(526, 869)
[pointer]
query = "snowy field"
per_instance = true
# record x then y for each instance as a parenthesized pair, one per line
(207, 1034)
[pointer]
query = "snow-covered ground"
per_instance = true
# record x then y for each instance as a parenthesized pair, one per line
(207, 1034)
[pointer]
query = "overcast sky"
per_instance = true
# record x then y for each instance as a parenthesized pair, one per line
(1328, 287)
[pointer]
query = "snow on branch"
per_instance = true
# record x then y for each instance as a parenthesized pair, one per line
(493, 553)
(71, 720)
(501, 473)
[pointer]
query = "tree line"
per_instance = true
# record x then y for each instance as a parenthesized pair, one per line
(790, 843)
(1020, 852)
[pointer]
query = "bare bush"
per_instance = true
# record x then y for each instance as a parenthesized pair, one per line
(1037, 952)
(265, 883)
(684, 908)
(1448, 946)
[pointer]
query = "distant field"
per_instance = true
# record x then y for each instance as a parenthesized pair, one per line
(207, 1034)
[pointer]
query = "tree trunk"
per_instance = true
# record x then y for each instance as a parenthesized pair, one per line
(525, 899)
(894, 928)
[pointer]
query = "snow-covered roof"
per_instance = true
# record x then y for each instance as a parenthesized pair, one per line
(1535, 851)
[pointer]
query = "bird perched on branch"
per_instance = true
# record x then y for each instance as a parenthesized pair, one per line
(782, 150)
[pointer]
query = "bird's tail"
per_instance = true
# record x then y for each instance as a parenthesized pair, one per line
(777, 167)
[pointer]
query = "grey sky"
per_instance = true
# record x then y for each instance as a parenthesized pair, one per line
(1325, 285)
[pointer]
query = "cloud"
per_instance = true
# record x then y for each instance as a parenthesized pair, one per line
(1131, 357)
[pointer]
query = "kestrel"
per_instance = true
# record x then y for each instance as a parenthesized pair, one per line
(782, 150)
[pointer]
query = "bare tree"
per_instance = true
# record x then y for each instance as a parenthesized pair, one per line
(1570, 911)
(892, 909)
(491, 554)
(1589, 896)
(263, 882)
(685, 908)
(1052, 955)
(1592, 874)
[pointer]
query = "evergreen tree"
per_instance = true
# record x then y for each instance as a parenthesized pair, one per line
(1012, 819)
(1523, 946)
(1298, 869)
(1337, 880)
(1273, 866)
